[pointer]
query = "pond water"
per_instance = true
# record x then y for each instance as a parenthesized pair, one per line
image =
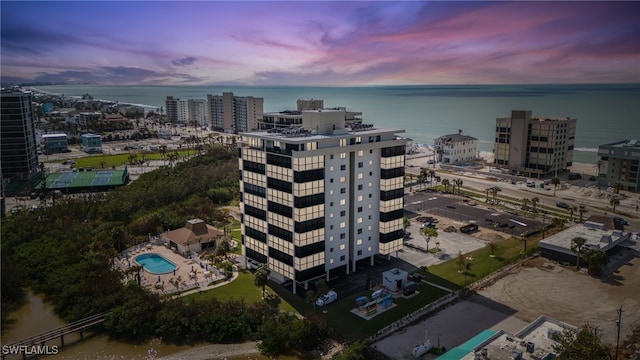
(37, 316)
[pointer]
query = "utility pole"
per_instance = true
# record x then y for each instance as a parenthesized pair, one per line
(619, 325)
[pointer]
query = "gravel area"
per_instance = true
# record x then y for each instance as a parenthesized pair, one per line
(247, 350)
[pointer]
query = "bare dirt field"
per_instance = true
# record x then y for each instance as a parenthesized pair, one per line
(543, 287)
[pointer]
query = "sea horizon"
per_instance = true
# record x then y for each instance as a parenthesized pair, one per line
(425, 112)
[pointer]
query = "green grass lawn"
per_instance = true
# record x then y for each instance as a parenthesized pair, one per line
(97, 161)
(241, 288)
(353, 327)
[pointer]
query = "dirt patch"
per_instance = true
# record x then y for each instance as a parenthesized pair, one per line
(542, 287)
(488, 236)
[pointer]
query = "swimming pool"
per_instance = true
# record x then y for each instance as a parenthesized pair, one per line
(155, 264)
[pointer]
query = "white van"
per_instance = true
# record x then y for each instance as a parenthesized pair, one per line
(327, 298)
(531, 184)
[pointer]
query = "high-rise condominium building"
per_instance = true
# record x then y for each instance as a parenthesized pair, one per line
(171, 108)
(620, 164)
(234, 114)
(19, 149)
(193, 111)
(322, 196)
(534, 147)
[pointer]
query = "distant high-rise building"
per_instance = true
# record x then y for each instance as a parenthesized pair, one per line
(234, 114)
(171, 108)
(534, 147)
(309, 104)
(321, 196)
(18, 148)
(620, 164)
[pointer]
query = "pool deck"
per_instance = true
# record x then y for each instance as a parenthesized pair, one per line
(191, 274)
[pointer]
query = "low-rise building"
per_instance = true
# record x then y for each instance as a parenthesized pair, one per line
(195, 236)
(456, 148)
(599, 236)
(91, 143)
(534, 341)
(620, 164)
(55, 143)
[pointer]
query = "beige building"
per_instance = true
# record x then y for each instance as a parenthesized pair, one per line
(195, 236)
(234, 114)
(534, 147)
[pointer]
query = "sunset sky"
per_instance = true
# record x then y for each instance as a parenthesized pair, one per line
(319, 43)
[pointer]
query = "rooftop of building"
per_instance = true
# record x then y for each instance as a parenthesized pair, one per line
(322, 123)
(597, 234)
(455, 138)
(634, 143)
(45, 136)
(194, 231)
(535, 341)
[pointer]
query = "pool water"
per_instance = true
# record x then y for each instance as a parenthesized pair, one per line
(155, 264)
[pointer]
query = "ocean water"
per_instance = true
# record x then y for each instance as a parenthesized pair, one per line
(605, 112)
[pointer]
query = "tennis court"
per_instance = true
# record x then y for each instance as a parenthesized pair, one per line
(87, 180)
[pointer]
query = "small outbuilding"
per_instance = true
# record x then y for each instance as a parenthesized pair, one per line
(394, 280)
(195, 236)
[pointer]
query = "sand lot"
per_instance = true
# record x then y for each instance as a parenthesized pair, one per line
(545, 288)
(540, 287)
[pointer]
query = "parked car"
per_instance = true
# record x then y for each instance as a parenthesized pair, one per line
(574, 176)
(620, 220)
(531, 184)
(327, 298)
(496, 188)
(563, 205)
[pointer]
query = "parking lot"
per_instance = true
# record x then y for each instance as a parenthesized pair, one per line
(464, 210)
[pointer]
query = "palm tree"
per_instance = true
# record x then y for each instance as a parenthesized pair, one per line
(487, 191)
(534, 204)
(262, 276)
(559, 222)
(459, 183)
(596, 258)
(446, 183)
(424, 175)
(460, 261)
(581, 211)
(555, 181)
(571, 210)
(432, 175)
(577, 245)
(428, 232)
(405, 223)
(492, 248)
(438, 179)
(525, 204)
(614, 202)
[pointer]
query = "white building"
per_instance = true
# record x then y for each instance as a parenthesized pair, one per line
(456, 148)
(192, 111)
(322, 196)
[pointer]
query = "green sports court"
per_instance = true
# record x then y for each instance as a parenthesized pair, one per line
(86, 180)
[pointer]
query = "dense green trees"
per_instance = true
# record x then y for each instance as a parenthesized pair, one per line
(583, 343)
(66, 251)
